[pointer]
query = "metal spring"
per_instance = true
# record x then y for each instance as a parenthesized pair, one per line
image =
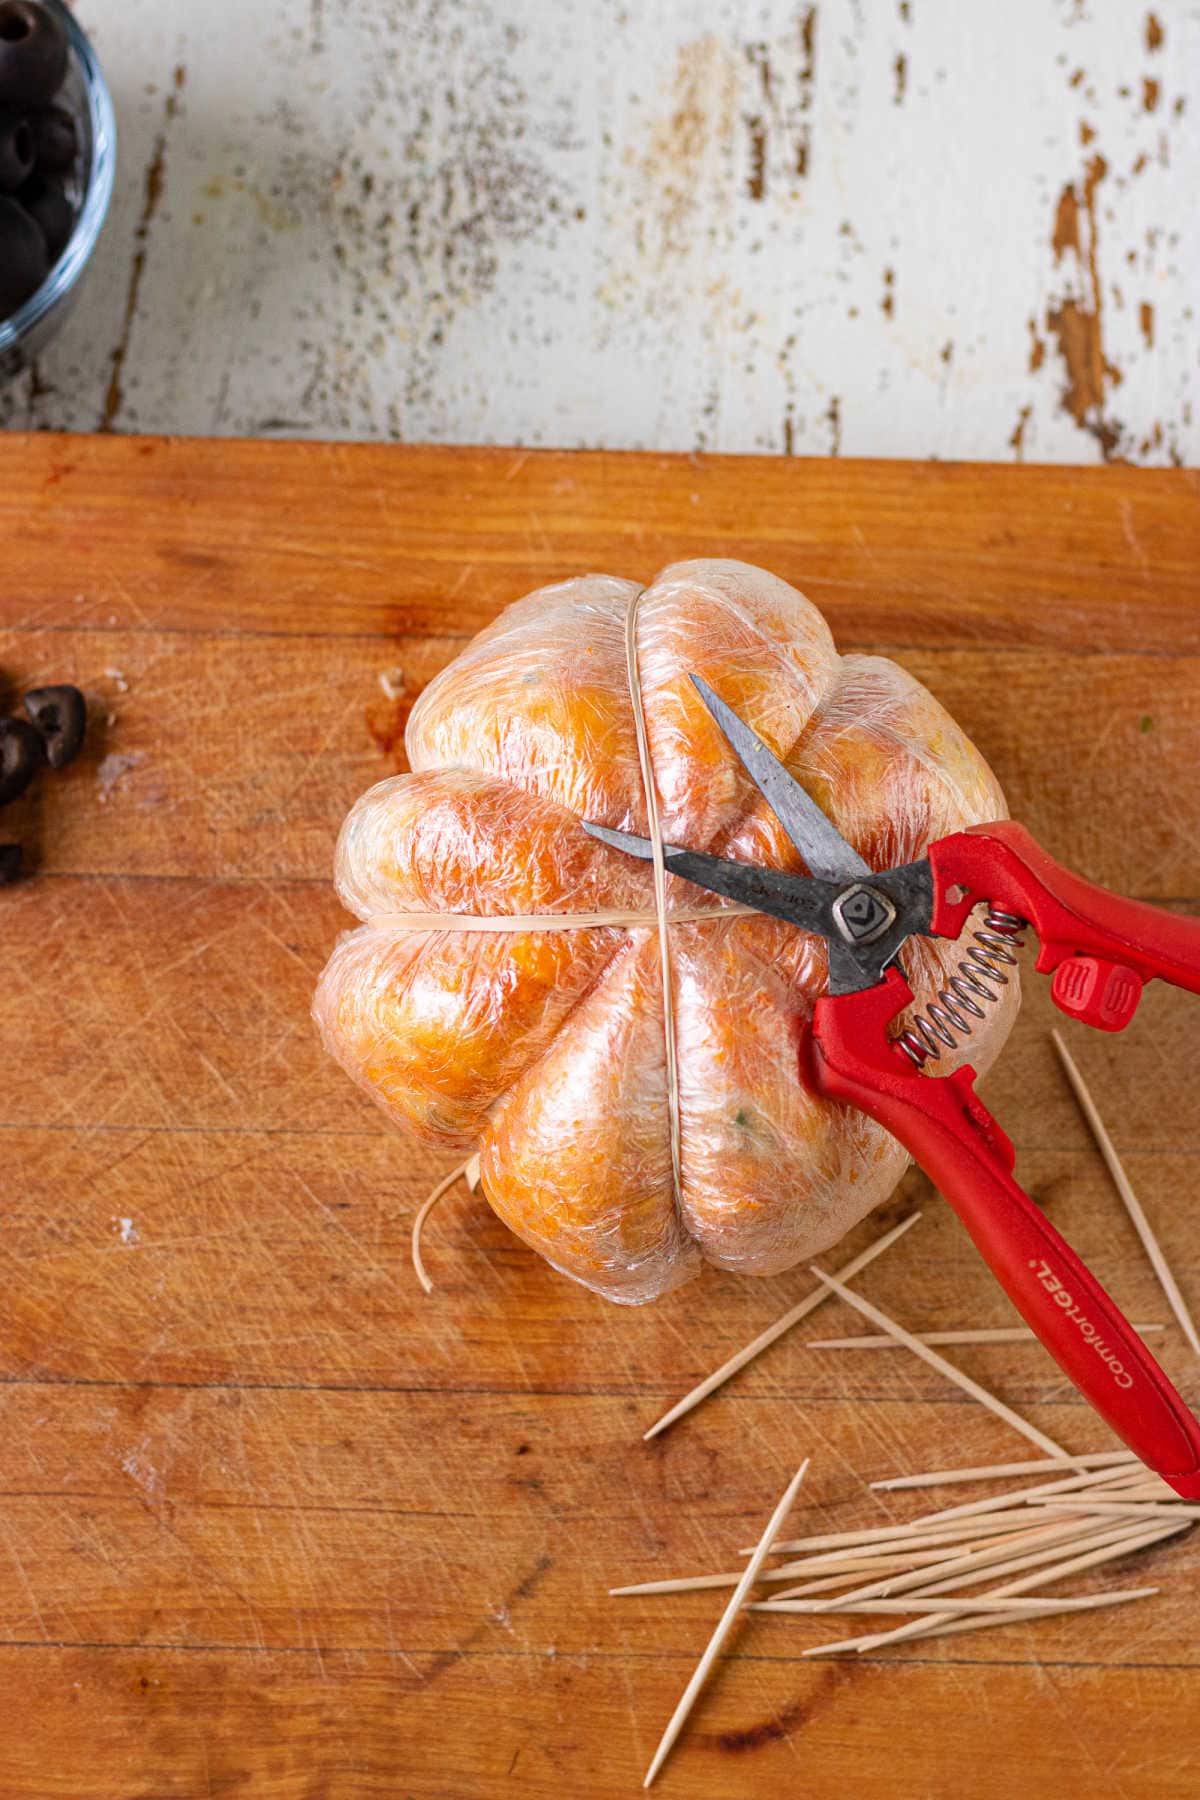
(979, 977)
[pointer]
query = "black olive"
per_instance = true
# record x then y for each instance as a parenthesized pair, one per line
(55, 140)
(33, 53)
(24, 259)
(60, 715)
(51, 211)
(21, 756)
(10, 863)
(16, 149)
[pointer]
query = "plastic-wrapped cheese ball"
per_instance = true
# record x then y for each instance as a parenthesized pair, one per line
(543, 1045)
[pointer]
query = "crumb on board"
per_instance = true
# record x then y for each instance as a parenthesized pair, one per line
(115, 766)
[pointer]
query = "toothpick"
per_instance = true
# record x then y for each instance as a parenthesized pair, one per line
(1067, 1484)
(1154, 1490)
(939, 1362)
(1164, 1494)
(916, 1534)
(677, 1584)
(1145, 1488)
(889, 1563)
(932, 1539)
(978, 1603)
(990, 1471)
(1102, 1549)
(748, 1578)
(1000, 1334)
(1078, 1533)
(984, 1621)
(774, 1332)
(1145, 1509)
(869, 1555)
(940, 1537)
(1005, 1334)
(959, 1570)
(1133, 1205)
(471, 1175)
(1085, 1603)
(1104, 1546)
(822, 1586)
(923, 1567)
(929, 1528)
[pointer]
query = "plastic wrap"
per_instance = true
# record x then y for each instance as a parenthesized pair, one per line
(543, 1044)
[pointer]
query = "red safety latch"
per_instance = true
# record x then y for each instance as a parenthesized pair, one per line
(1101, 993)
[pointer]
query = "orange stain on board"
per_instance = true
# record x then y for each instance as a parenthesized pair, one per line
(386, 720)
(1154, 33)
(1146, 321)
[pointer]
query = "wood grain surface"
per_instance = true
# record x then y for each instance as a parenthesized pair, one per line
(272, 1523)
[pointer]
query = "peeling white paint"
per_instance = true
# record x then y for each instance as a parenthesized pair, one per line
(714, 225)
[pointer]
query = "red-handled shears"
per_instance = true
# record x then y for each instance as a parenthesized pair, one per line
(1100, 948)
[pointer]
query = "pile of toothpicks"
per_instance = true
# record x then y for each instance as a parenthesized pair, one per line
(1081, 1512)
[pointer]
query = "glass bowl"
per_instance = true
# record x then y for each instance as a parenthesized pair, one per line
(85, 94)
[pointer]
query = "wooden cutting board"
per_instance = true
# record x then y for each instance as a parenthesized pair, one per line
(272, 1523)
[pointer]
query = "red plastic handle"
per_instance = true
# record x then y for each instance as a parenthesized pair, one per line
(956, 1141)
(1100, 946)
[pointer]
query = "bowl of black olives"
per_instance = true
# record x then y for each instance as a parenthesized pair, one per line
(58, 143)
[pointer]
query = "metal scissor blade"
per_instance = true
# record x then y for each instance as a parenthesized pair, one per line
(818, 840)
(793, 898)
(626, 840)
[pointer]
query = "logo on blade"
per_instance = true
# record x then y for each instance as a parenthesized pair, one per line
(862, 914)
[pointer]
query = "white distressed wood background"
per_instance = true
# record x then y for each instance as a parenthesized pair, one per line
(935, 228)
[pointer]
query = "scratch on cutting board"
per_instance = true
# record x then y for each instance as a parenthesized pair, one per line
(1129, 531)
(23, 1577)
(139, 1467)
(446, 1659)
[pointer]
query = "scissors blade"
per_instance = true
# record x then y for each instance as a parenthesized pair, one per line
(820, 843)
(794, 898)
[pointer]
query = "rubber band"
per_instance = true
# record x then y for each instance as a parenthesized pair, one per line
(654, 831)
(561, 921)
(581, 921)
(468, 1170)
